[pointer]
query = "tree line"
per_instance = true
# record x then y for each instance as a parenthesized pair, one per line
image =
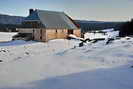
(126, 29)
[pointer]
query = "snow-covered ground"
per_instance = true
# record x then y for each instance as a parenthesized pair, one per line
(5, 36)
(59, 64)
(108, 33)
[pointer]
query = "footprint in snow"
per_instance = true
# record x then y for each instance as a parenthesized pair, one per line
(131, 66)
(127, 46)
(4, 50)
(1, 61)
(18, 58)
(62, 53)
(27, 53)
(87, 51)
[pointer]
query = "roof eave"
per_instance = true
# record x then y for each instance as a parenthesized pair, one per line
(31, 20)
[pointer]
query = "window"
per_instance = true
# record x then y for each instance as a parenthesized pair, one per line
(56, 31)
(40, 34)
(70, 31)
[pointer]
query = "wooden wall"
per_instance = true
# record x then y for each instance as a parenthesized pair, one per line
(25, 30)
(56, 34)
(60, 33)
(43, 32)
(37, 34)
(49, 34)
(77, 32)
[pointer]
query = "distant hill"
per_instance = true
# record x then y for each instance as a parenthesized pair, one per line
(10, 23)
(7, 19)
(98, 25)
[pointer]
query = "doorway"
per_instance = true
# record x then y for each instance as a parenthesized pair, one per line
(70, 31)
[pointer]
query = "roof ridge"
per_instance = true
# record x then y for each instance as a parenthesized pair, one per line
(50, 11)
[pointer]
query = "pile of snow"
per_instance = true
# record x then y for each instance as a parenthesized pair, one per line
(59, 65)
(108, 33)
(108, 30)
(92, 36)
(112, 34)
(6, 36)
(75, 37)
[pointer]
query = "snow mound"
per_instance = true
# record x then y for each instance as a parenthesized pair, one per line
(6, 36)
(108, 30)
(105, 34)
(75, 37)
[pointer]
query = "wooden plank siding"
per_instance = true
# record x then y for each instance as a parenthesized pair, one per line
(60, 33)
(25, 30)
(56, 34)
(77, 32)
(37, 34)
(42, 34)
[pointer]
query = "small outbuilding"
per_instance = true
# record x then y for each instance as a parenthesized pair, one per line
(46, 25)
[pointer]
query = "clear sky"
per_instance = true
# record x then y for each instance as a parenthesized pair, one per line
(102, 10)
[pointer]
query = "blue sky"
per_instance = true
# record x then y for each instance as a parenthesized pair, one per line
(102, 10)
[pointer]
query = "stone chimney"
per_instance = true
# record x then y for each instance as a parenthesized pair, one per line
(31, 11)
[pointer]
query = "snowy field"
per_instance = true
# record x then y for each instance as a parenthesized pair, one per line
(58, 64)
(5, 36)
(109, 33)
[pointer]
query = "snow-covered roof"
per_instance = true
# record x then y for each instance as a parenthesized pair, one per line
(52, 19)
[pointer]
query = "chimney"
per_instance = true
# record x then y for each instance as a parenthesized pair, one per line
(31, 11)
